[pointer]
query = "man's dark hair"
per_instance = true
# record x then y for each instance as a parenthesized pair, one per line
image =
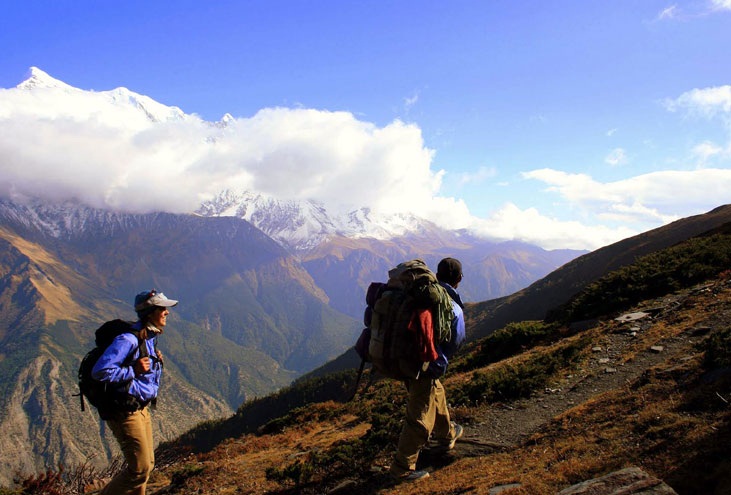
(449, 270)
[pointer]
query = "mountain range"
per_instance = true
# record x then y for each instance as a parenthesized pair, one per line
(344, 253)
(250, 319)
(254, 313)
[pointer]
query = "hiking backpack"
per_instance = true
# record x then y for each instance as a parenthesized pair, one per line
(108, 398)
(405, 319)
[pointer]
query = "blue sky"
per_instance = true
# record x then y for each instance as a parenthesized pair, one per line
(544, 121)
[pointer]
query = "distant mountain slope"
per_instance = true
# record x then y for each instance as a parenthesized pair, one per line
(232, 278)
(250, 318)
(344, 268)
(533, 302)
(344, 253)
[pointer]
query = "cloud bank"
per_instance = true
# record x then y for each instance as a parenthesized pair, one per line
(121, 150)
(117, 149)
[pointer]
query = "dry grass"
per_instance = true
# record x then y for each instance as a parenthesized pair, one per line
(667, 422)
(239, 465)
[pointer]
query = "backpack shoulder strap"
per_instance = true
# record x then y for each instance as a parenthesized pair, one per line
(141, 343)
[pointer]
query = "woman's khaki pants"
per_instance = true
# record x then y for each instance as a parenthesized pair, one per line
(134, 435)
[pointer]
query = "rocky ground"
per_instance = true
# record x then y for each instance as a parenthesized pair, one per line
(626, 349)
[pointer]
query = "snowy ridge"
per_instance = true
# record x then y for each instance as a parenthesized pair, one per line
(67, 220)
(296, 225)
(303, 225)
(61, 98)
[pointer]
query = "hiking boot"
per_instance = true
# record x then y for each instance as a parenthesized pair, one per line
(410, 475)
(446, 447)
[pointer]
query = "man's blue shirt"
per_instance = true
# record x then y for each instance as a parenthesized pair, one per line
(446, 350)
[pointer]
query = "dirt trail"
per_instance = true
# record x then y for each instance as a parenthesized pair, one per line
(619, 358)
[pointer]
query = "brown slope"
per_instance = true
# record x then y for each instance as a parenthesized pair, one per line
(36, 281)
(57, 285)
(533, 302)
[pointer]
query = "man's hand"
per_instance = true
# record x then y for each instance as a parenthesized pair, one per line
(159, 357)
(142, 365)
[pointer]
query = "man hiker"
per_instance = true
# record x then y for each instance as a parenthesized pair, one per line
(138, 372)
(426, 406)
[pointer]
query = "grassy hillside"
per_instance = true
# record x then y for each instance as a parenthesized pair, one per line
(651, 276)
(554, 290)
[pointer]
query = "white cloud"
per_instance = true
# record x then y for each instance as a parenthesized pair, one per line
(616, 157)
(706, 151)
(721, 4)
(694, 11)
(102, 148)
(411, 101)
(706, 101)
(653, 198)
(529, 225)
(121, 150)
(668, 13)
(478, 176)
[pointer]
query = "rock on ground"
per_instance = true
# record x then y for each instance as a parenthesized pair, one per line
(629, 481)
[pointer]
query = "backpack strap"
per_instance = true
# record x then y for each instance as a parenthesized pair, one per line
(141, 345)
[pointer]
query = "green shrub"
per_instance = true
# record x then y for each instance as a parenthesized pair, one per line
(187, 471)
(718, 349)
(510, 382)
(655, 275)
(508, 341)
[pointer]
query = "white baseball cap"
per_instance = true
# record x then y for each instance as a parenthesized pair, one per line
(152, 299)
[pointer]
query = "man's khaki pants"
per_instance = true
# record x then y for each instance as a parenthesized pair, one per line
(134, 434)
(426, 414)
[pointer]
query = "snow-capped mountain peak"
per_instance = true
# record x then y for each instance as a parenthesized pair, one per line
(155, 112)
(56, 98)
(40, 79)
(303, 225)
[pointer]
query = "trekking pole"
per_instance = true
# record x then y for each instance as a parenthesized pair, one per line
(81, 399)
(357, 380)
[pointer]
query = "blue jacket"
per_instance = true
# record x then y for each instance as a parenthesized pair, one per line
(446, 350)
(115, 366)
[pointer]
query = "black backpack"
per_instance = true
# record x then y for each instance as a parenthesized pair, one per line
(109, 399)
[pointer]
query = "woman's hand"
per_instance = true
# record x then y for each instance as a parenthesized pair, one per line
(142, 365)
